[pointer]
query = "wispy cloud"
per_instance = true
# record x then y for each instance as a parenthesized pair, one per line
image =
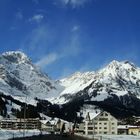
(35, 38)
(39, 45)
(73, 46)
(69, 50)
(37, 18)
(74, 3)
(46, 60)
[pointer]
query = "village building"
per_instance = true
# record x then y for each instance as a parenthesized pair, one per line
(32, 123)
(100, 123)
(47, 126)
(134, 130)
(123, 130)
(63, 126)
(55, 125)
(129, 130)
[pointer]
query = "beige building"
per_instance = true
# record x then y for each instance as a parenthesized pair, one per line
(101, 123)
(134, 130)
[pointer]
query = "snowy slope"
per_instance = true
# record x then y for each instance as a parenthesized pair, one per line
(112, 137)
(72, 85)
(92, 110)
(119, 78)
(76, 82)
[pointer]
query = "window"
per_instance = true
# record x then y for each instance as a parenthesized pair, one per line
(100, 127)
(105, 132)
(103, 119)
(105, 127)
(112, 123)
(90, 128)
(90, 133)
(90, 123)
(105, 123)
(95, 132)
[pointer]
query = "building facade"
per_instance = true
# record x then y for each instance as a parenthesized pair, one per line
(47, 126)
(103, 123)
(134, 130)
(20, 123)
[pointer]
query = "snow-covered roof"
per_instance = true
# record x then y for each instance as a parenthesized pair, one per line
(127, 126)
(122, 126)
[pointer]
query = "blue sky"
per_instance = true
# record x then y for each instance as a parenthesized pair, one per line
(64, 36)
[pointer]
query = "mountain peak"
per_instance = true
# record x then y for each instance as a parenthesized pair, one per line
(113, 64)
(129, 63)
(123, 64)
(16, 56)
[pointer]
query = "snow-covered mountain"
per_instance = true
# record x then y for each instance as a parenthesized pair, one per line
(78, 81)
(23, 81)
(117, 78)
(114, 88)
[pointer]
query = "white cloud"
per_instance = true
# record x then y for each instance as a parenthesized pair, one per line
(37, 18)
(46, 60)
(74, 3)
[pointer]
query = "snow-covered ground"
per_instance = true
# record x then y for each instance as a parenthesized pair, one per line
(7, 134)
(114, 137)
(120, 137)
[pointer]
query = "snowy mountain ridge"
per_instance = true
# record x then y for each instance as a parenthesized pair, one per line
(117, 84)
(119, 78)
(18, 77)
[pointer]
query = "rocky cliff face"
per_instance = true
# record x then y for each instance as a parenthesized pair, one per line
(20, 78)
(23, 82)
